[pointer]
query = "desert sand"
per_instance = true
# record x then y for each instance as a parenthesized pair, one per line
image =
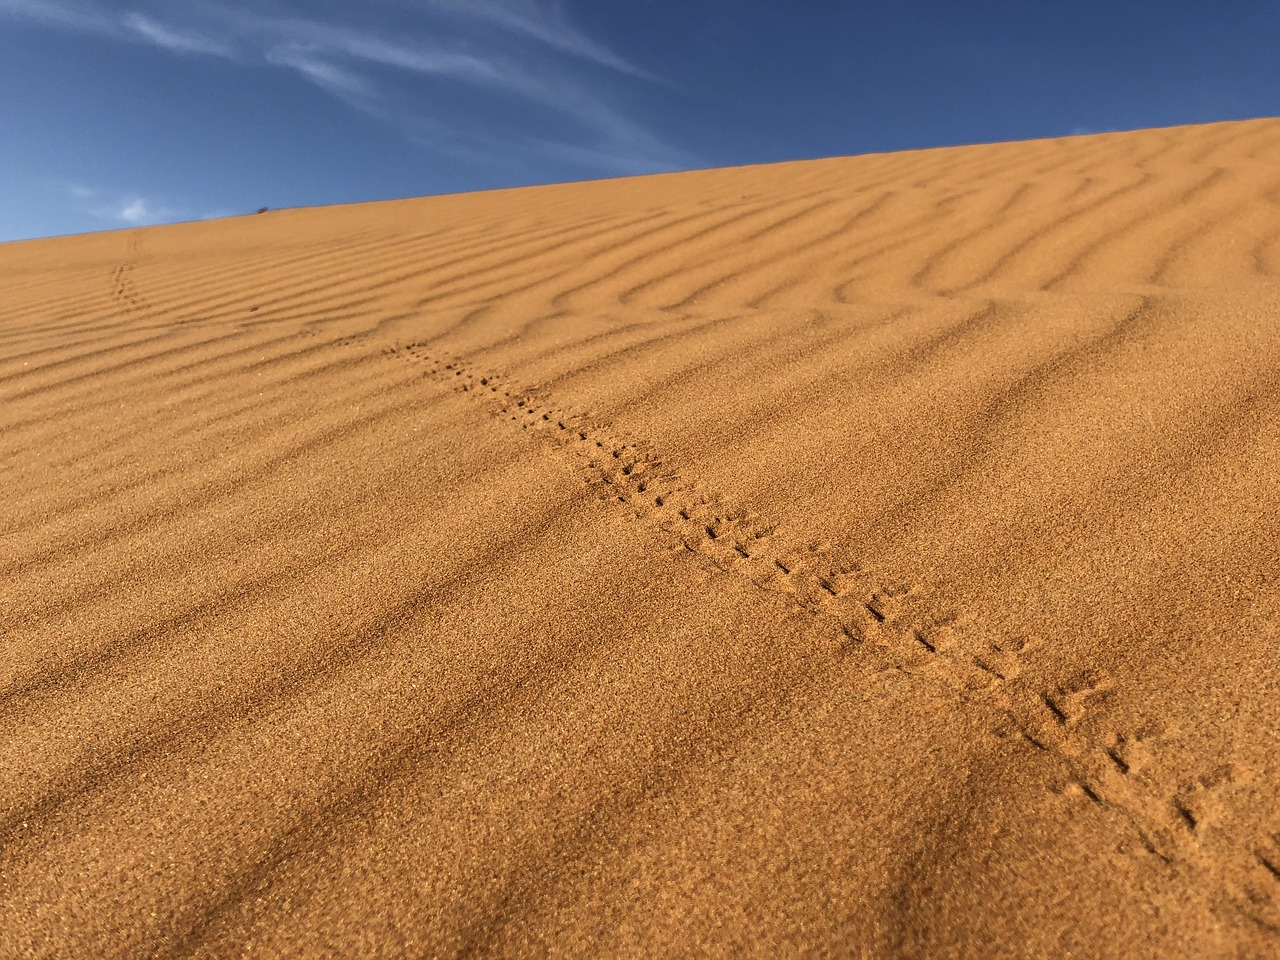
(869, 557)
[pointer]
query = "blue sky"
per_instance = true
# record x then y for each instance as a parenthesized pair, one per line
(116, 114)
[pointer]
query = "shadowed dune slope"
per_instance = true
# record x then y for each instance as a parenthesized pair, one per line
(871, 556)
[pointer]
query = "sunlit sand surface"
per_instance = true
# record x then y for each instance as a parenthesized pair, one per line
(872, 556)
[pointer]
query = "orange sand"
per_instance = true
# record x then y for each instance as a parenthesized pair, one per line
(862, 557)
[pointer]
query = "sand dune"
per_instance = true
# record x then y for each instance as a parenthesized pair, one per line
(859, 557)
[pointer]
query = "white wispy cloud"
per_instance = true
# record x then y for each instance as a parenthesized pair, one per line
(83, 17)
(518, 51)
(543, 22)
(341, 82)
(176, 41)
(135, 210)
(60, 13)
(119, 209)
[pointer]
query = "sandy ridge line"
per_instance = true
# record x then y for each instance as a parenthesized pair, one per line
(1150, 212)
(353, 257)
(197, 416)
(896, 629)
(611, 225)
(370, 269)
(221, 427)
(930, 224)
(134, 375)
(596, 265)
(216, 490)
(890, 241)
(129, 296)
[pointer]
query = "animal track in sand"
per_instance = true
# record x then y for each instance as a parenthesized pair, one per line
(1175, 816)
(123, 289)
(891, 625)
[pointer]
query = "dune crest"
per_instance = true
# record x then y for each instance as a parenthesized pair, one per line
(868, 556)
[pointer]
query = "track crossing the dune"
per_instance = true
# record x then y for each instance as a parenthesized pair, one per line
(885, 625)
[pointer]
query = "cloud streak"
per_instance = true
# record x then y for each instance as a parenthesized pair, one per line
(135, 211)
(60, 14)
(175, 41)
(342, 83)
(545, 23)
(121, 209)
(509, 51)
